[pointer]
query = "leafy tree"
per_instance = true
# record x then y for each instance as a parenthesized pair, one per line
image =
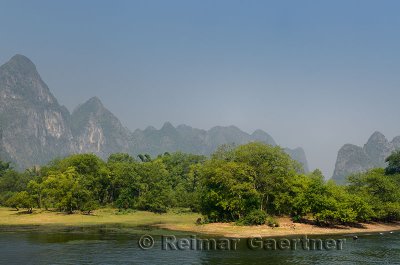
(4, 166)
(21, 200)
(154, 193)
(237, 183)
(254, 175)
(273, 170)
(148, 157)
(299, 194)
(12, 182)
(228, 190)
(393, 166)
(179, 166)
(181, 177)
(66, 192)
(120, 158)
(36, 190)
(380, 191)
(94, 172)
(327, 202)
(145, 157)
(125, 184)
(224, 152)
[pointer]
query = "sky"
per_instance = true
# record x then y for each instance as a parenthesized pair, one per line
(315, 74)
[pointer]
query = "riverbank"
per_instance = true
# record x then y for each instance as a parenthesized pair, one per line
(286, 228)
(112, 220)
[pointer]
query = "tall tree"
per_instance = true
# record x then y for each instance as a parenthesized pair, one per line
(393, 166)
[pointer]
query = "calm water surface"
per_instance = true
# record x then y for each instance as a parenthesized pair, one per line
(98, 247)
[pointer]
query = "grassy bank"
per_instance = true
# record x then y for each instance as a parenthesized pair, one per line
(111, 218)
(173, 220)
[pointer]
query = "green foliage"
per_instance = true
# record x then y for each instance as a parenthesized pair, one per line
(144, 158)
(12, 182)
(124, 185)
(120, 158)
(238, 180)
(381, 193)
(257, 176)
(273, 171)
(141, 186)
(255, 217)
(246, 184)
(67, 192)
(393, 164)
(182, 177)
(271, 221)
(21, 200)
(4, 166)
(93, 172)
(224, 152)
(228, 190)
(155, 193)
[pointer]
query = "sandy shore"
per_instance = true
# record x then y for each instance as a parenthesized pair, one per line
(287, 228)
(11, 220)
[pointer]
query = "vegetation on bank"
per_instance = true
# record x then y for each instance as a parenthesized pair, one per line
(248, 184)
(109, 218)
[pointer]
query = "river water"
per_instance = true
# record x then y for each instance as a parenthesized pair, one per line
(99, 247)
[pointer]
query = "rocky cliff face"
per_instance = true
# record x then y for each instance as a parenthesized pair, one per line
(352, 158)
(33, 125)
(96, 130)
(34, 128)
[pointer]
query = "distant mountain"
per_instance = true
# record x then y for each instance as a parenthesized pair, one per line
(187, 139)
(352, 158)
(299, 155)
(96, 130)
(34, 128)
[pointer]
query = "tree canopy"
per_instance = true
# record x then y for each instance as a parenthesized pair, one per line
(244, 184)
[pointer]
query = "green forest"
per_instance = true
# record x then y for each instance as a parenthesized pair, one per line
(246, 184)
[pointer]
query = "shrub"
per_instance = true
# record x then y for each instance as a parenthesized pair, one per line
(271, 221)
(296, 218)
(255, 217)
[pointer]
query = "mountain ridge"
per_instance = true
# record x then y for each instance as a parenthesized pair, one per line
(35, 128)
(353, 159)
(33, 124)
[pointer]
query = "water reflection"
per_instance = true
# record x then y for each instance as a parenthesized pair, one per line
(102, 247)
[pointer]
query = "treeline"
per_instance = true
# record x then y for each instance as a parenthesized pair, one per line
(84, 182)
(245, 184)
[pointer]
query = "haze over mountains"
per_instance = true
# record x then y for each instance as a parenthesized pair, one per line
(35, 128)
(352, 158)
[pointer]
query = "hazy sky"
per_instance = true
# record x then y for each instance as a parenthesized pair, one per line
(316, 74)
